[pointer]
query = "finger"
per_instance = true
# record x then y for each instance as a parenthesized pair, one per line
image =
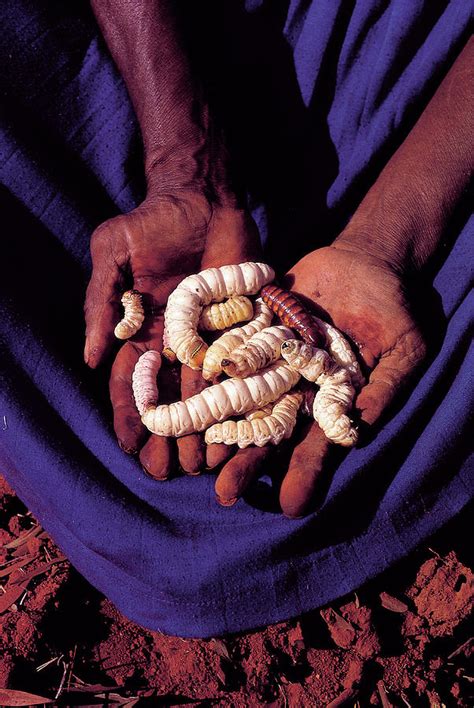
(234, 238)
(239, 472)
(102, 306)
(156, 457)
(391, 374)
(304, 472)
(217, 454)
(130, 432)
(191, 448)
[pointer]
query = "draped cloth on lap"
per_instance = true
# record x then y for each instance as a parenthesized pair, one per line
(318, 95)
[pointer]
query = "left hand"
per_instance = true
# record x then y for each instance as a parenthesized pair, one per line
(364, 297)
(157, 245)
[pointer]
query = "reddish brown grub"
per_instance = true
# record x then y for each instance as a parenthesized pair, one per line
(293, 314)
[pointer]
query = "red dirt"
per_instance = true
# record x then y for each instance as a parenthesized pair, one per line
(401, 640)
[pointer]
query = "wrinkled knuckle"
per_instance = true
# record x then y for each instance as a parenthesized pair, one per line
(420, 350)
(389, 379)
(414, 348)
(101, 236)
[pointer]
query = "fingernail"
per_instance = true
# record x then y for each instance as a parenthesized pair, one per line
(157, 479)
(128, 450)
(90, 356)
(195, 473)
(226, 502)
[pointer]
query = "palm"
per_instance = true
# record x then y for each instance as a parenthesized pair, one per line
(153, 248)
(365, 299)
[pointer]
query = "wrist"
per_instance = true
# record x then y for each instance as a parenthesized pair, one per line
(400, 225)
(194, 164)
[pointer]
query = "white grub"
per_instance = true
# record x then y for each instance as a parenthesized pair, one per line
(336, 393)
(259, 412)
(258, 352)
(133, 316)
(144, 384)
(221, 401)
(167, 352)
(259, 430)
(230, 340)
(221, 315)
(186, 302)
(342, 353)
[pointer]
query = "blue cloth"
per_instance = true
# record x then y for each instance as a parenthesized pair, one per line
(317, 96)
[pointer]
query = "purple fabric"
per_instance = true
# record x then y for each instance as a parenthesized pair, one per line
(316, 96)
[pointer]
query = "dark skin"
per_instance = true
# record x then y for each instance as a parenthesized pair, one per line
(157, 244)
(192, 218)
(359, 282)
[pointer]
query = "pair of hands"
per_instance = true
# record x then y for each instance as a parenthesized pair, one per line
(171, 236)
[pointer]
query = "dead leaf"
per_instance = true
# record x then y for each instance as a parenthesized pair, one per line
(343, 698)
(39, 570)
(11, 594)
(391, 603)
(8, 697)
(220, 648)
(383, 695)
(20, 540)
(342, 631)
(15, 566)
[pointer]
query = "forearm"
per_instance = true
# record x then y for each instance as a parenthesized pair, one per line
(145, 40)
(404, 215)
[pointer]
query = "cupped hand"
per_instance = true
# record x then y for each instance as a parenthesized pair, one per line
(151, 249)
(365, 298)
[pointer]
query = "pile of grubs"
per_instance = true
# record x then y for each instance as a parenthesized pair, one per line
(263, 362)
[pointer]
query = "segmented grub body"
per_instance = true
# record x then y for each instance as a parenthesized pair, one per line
(331, 404)
(259, 430)
(144, 384)
(194, 292)
(341, 351)
(221, 401)
(220, 315)
(133, 317)
(262, 349)
(167, 352)
(229, 341)
(259, 412)
(336, 393)
(293, 314)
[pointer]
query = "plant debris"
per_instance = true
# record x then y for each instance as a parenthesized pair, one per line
(391, 603)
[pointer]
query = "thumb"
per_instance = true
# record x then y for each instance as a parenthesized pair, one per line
(390, 376)
(102, 306)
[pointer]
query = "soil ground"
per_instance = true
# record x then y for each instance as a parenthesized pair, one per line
(402, 640)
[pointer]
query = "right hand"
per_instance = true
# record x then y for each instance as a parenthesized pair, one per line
(155, 246)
